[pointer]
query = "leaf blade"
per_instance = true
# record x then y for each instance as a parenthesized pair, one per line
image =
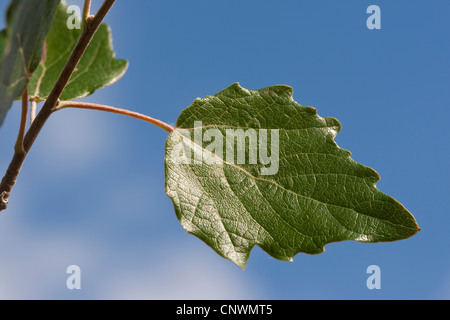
(21, 43)
(318, 195)
(97, 69)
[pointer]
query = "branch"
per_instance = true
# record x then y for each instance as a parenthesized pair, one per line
(99, 107)
(18, 148)
(10, 178)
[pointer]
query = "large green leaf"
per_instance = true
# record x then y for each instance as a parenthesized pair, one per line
(316, 195)
(21, 43)
(98, 67)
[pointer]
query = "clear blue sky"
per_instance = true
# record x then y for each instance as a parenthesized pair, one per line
(92, 190)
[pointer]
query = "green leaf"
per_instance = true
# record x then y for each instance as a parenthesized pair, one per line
(97, 69)
(316, 195)
(3, 40)
(21, 43)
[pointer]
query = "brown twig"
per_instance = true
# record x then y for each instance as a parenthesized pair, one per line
(18, 148)
(10, 178)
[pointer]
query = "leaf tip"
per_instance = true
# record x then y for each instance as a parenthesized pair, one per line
(237, 89)
(278, 90)
(285, 90)
(311, 110)
(333, 123)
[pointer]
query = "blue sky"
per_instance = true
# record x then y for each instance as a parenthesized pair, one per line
(91, 192)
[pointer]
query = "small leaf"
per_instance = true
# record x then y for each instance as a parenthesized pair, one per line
(28, 22)
(316, 194)
(98, 67)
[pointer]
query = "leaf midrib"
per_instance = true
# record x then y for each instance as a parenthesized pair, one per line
(297, 194)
